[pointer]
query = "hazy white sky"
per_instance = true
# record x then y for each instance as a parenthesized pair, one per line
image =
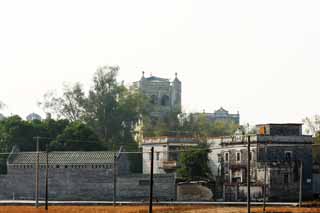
(258, 57)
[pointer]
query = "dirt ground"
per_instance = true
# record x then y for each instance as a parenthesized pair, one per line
(144, 209)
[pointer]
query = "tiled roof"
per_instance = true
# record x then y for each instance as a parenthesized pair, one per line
(62, 158)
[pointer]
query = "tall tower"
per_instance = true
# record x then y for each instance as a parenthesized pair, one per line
(176, 94)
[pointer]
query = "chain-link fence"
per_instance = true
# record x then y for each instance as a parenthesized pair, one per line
(126, 176)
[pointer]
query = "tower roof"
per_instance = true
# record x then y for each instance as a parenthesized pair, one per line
(221, 111)
(154, 78)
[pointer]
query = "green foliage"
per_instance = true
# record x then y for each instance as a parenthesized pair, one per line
(312, 125)
(76, 137)
(69, 105)
(198, 126)
(111, 110)
(194, 163)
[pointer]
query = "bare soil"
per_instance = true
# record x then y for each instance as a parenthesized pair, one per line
(144, 209)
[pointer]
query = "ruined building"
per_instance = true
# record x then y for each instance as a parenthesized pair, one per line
(277, 149)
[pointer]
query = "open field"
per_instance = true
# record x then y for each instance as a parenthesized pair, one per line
(144, 209)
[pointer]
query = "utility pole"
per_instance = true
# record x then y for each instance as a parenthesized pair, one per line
(265, 178)
(301, 183)
(151, 181)
(114, 178)
(47, 176)
(37, 174)
(248, 176)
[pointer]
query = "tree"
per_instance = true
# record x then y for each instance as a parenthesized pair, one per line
(111, 110)
(194, 163)
(313, 126)
(76, 137)
(70, 105)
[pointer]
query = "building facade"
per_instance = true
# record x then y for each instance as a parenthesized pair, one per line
(166, 153)
(221, 115)
(277, 149)
(164, 95)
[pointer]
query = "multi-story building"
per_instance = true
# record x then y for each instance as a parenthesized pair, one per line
(165, 95)
(166, 153)
(220, 115)
(277, 149)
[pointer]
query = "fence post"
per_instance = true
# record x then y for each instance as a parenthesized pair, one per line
(300, 185)
(114, 178)
(151, 181)
(265, 178)
(37, 174)
(248, 176)
(47, 177)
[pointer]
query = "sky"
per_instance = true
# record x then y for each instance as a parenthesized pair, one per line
(260, 58)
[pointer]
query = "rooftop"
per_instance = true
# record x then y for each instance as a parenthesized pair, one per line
(169, 139)
(61, 158)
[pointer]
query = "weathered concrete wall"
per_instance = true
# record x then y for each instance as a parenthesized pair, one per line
(280, 167)
(85, 184)
(316, 184)
(136, 187)
(193, 192)
(256, 192)
(160, 151)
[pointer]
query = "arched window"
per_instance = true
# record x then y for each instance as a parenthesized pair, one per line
(165, 100)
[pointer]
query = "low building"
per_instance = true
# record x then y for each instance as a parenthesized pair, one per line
(280, 147)
(80, 176)
(166, 152)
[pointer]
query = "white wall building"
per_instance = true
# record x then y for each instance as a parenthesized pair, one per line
(166, 153)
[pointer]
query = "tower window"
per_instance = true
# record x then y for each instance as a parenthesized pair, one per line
(165, 100)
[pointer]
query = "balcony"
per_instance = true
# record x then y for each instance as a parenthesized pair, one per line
(169, 165)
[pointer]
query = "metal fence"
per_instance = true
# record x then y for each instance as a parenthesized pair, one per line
(126, 176)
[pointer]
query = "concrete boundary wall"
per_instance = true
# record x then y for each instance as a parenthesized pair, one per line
(87, 185)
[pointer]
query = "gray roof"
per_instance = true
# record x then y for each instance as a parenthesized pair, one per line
(154, 78)
(33, 116)
(62, 158)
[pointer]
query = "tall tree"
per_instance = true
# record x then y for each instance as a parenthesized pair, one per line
(76, 137)
(313, 126)
(70, 105)
(194, 163)
(110, 109)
